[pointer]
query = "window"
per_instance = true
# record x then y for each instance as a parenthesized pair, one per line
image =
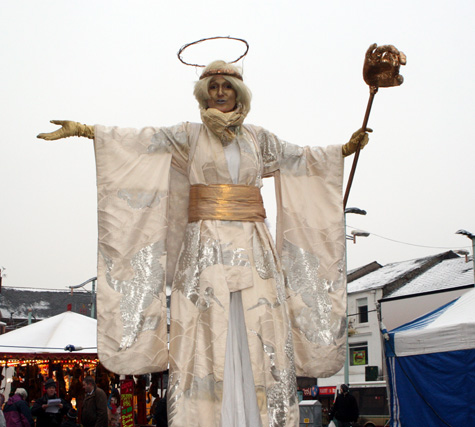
(362, 307)
(371, 400)
(359, 354)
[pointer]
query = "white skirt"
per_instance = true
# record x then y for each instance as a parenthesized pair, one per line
(239, 394)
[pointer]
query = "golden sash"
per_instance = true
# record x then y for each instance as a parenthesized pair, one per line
(226, 202)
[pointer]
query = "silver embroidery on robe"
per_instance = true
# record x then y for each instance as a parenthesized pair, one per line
(162, 140)
(141, 200)
(207, 388)
(315, 321)
(204, 302)
(264, 301)
(138, 292)
(282, 395)
(174, 394)
(196, 256)
(270, 148)
(263, 259)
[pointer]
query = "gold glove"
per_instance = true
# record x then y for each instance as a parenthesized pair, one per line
(360, 137)
(68, 128)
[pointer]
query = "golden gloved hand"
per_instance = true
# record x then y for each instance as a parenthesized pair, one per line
(359, 138)
(68, 128)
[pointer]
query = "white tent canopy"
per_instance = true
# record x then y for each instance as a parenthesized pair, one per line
(431, 365)
(450, 328)
(52, 335)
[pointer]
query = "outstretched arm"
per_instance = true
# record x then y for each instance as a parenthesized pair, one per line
(68, 128)
(360, 137)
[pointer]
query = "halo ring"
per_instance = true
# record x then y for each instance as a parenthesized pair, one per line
(207, 39)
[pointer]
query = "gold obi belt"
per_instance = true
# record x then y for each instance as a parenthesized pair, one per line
(226, 202)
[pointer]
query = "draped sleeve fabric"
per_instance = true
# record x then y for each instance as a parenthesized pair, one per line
(135, 168)
(310, 240)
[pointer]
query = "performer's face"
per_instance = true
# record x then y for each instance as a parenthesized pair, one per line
(222, 95)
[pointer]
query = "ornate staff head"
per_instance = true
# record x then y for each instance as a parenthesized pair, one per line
(381, 66)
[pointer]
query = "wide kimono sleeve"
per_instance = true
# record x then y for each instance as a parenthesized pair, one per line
(135, 171)
(310, 240)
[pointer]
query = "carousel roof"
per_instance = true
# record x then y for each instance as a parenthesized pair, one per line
(50, 337)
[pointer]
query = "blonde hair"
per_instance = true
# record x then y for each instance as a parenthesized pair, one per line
(243, 94)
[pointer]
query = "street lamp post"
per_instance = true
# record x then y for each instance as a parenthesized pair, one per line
(93, 304)
(353, 237)
(2, 275)
(472, 238)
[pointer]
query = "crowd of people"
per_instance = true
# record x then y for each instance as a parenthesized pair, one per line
(51, 410)
(97, 410)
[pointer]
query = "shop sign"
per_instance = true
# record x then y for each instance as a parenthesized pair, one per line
(315, 391)
(127, 403)
(327, 390)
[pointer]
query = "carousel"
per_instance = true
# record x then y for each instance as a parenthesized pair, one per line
(62, 347)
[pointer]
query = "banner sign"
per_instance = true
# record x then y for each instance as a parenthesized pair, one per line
(316, 391)
(127, 403)
(328, 390)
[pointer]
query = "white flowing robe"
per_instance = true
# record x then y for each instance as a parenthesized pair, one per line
(293, 293)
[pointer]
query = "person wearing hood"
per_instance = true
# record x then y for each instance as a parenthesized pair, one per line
(16, 411)
(50, 409)
(345, 409)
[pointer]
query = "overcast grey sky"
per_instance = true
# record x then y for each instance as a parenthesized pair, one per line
(114, 63)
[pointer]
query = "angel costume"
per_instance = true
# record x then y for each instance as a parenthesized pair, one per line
(247, 316)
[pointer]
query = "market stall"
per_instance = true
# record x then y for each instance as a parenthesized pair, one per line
(63, 347)
(430, 362)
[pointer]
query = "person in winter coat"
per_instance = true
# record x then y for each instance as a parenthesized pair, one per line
(17, 412)
(51, 417)
(94, 407)
(345, 409)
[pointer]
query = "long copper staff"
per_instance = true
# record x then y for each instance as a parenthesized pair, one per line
(381, 69)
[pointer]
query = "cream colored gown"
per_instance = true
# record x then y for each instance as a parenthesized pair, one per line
(288, 299)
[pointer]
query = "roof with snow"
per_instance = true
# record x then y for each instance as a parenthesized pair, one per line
(448, 274)
(15, 303)
(436, 272)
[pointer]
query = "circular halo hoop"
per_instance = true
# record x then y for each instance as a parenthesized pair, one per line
(207, 39)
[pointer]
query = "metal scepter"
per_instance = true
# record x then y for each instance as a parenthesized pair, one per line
(381, 69)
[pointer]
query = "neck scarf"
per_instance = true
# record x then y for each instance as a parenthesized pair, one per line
(223, 125)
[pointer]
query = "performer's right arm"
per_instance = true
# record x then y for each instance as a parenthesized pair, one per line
(68, 128)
